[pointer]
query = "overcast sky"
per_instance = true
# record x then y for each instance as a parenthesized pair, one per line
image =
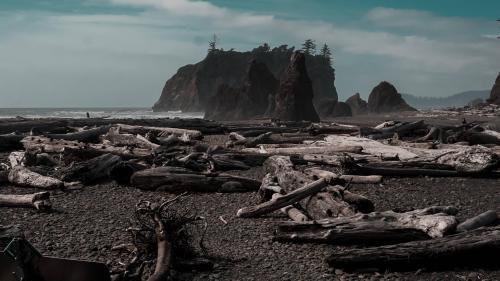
(80, 53)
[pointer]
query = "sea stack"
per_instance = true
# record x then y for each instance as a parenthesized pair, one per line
(385, 98)
(294, 99)
(357, 104)
(495, 92)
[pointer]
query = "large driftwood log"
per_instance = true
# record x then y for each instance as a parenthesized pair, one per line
(166, 179)
(24, 126)
(477, 248)
(306, 149)
(90, 171)
(90, 135)
(162, 131)
(116, 138)
(374, 228)
(39, 201)
(10, 142)
(279, 202)
(22, 176)
(320, 205)
(485, 219)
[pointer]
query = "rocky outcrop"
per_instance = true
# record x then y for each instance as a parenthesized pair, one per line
(294, 99)
(333, 108)
(245, 102)
(357, 104)
(495, 92)
(191, 88)
(385, 98)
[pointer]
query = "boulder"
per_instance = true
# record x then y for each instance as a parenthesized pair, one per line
(333, 108)
(193, 86)
(357, 104)
(385, 98)
(495, 92)
(245, 102)
(294, 99)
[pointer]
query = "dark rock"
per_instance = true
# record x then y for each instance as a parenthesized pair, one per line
(495, 92)
(192, 87)
(357, 104)
(294, 99)
(333, 108)
(246, 102)
(385, 98)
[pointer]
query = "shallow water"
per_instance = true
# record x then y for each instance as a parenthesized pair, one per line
(103, 112)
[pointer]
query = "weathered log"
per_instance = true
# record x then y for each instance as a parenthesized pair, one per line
(263, 138)
(164, 252)
(485, 219)
(162, 131)
(123, 171)
(10, 142)
(163, 179)
(16, 158)
(90, 135)
(90, 171)
(39, 201)
(477, 248)
(279, 202)
(305, 150)
(320, 205)
(316, 129)
(22, 176)
(358, 202)
(292, 212)
(120, 139)
(373, 228)
(472, 160)
(372, 179)
(25, 126)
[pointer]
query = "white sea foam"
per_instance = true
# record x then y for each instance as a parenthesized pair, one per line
(119, 113)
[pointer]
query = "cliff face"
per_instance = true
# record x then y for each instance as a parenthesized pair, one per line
(495, 92)
(193, 86)
(357, 104)
(385, 98)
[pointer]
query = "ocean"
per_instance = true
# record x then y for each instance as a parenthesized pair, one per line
(101, 112)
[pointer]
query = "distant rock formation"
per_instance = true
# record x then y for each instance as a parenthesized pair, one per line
(245, 102)
(475, 102)
(495, 92)
(333, 108)
(357, 104)
(385, 98)
(193, 85)
(294, 99)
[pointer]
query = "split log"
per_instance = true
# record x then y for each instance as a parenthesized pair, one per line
(22, 176)
(318, 206)
(90, 171)
(279, 202)
(164, 179)
(90, 135)
(39, 201)
(477, 248)
(10, 142)
(162, 131)
(485, 219)
(305, 150)
(374, 228)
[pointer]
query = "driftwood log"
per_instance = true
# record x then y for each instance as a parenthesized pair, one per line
(162, 131)
(485, 219)
(10, 142)
(90, 171)
(22, 176)
(374, 228)
(90, 135)
(306, 149)
(477, 248)
(181, 180)
(39, 201)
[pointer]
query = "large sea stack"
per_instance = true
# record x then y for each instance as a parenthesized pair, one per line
(333, 108)
(191, 88)
(294, 99)
(245, 102)
(357, 104)
(495, 92)
(385, 98)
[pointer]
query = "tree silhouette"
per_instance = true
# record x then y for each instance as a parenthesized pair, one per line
(212, 44)
(326, 53)
(309, 47)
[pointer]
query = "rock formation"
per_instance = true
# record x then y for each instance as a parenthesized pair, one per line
(357, 104)
(385, 98)
(192, 86)
(495, 92)
(333, 108)
(294, 99)
(245, 102)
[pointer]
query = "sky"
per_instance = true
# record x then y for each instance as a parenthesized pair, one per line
(119, 53)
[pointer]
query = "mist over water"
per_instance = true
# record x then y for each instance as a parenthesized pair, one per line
(101, 112)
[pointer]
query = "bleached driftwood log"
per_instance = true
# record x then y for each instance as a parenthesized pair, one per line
(485, 219)
(39, 201)
(320, 205)
(22, 176)
(117, 138)
(372, 179)
(162, 131)
(279, 202)
(477, 248)
(305, 149)
(181, 180)
(374, 228)
(472, 160)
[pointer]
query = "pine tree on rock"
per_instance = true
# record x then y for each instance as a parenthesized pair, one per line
(309, 47)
